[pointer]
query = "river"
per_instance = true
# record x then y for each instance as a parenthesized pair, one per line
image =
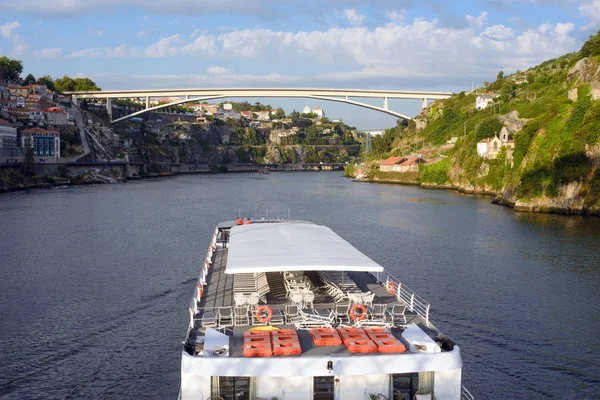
(96, 280)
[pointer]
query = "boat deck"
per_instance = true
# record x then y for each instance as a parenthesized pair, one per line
(219, 292)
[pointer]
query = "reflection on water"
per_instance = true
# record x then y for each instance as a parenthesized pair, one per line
(97, 280)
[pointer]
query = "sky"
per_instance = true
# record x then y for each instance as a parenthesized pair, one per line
(426, 45)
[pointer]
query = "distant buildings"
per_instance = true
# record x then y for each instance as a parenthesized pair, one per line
(484, 100)
(317, 110)
(227, 106)
(56, 116)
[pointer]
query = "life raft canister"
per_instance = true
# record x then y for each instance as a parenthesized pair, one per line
(261, 317)
(240, 221)
(358, 317)
(247, 221)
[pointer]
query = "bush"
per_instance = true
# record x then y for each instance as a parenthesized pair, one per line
(436, 173)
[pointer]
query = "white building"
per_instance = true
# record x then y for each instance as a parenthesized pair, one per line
(8, 135)
(227, 107)
(484, 100)
(306, 110)
(317, 110)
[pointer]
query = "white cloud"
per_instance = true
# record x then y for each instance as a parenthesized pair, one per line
(50, 52)
(591, 10)
(141, 33)
(215, 70)
(478, 21)
(9, 29)
(90, 52)
(395, 16)
(164, 47)
(353, 17)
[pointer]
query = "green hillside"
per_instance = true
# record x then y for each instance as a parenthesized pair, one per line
(551, 111)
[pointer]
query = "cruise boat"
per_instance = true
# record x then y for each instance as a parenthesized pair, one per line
(288, 310)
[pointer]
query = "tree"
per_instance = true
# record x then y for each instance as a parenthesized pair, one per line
(64, 84)
(279, 113)
(10, 69)
(591, 47)
(29, 80)
(487, 128)
(46, 81)
(67, 84)
(500, 76)
(28, 154)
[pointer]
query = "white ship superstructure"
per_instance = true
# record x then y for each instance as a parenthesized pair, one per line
(288, 310)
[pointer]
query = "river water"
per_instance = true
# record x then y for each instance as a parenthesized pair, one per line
(96, 281)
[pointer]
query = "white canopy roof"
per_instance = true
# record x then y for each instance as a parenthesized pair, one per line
(288, 246)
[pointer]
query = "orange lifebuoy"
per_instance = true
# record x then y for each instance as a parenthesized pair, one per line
(392, 287)
(264, 318)
(360, 317)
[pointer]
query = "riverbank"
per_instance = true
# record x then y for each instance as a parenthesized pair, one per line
(537, 205)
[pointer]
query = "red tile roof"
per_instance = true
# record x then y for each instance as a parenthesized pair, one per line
(412, 161)
(393, 160)
(6, 123)
(55, 110)
(40, 130)
(487, 140)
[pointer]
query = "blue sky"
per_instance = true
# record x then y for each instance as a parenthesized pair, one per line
(380, 44)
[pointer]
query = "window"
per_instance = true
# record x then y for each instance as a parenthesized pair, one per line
(323, 388)
(233, 387)
(404, 386)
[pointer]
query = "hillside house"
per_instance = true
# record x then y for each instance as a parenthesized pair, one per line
(263, 115)
(484, 100)
(306, 110)
(317, 110)
(410, 165)
(392, 164)
(56, 116)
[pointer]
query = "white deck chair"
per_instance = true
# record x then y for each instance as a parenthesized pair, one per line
(397, 314)
(241, 317)
(209, 319)
(291, 311)
(225, 316)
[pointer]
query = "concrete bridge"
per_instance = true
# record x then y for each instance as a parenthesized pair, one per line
(195, 95)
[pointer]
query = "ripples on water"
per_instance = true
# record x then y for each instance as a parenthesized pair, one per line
(96, 280)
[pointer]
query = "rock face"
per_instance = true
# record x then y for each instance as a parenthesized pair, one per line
(595, 90)
(573, 95)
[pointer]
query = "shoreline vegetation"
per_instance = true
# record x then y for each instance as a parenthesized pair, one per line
(531, 139)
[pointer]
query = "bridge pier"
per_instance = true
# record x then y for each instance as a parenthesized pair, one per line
(75, 100)
(109, 107)
(147, 102)
(424, 104)
(385, 103)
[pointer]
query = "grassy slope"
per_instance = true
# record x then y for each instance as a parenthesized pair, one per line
(550, 151)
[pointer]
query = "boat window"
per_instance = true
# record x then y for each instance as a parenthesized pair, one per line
(404, 386)
(233, 387)
(323, 388)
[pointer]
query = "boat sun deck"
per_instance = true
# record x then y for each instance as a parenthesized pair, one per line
(268, 274)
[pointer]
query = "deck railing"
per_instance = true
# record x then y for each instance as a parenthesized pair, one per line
(466, 395)
(414, 302)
